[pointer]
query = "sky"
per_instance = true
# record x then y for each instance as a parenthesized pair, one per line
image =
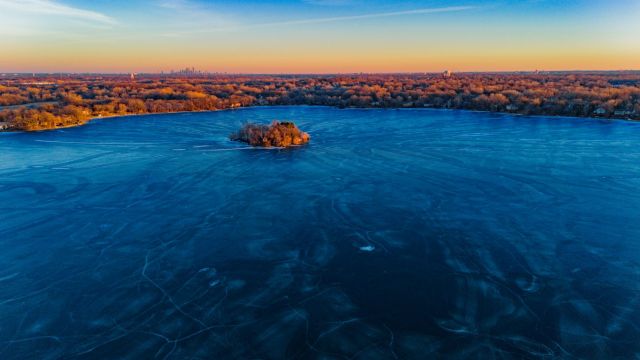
(318, 36)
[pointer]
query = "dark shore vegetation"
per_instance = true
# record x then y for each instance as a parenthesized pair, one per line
(278, 134)
(58, 101)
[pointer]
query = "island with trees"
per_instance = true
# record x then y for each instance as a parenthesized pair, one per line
(278, 134)
(45, 101)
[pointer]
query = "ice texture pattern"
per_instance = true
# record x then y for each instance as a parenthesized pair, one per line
(394, 234)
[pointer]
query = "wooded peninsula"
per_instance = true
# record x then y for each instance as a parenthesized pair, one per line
(40, 102)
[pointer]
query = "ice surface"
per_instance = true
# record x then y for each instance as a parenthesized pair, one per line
(394, 234)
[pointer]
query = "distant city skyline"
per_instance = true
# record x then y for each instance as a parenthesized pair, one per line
(317, 36)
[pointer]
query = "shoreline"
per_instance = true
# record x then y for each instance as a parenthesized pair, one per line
(111, 117)
(325, 106)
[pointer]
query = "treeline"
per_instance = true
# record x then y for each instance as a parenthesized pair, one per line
(79, 99)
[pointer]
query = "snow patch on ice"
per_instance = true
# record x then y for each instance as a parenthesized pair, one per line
(367, 248)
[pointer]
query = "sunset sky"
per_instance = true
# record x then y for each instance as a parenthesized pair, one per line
(317, 36)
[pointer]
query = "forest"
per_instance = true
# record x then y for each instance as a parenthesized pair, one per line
(40, 102)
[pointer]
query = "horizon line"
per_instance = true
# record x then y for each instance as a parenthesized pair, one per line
(206, 72)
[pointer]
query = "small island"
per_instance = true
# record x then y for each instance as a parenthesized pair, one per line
(278, 134)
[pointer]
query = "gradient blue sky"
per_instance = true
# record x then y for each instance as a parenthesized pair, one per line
(297, 36)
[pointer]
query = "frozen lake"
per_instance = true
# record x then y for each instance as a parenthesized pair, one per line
(394, 234)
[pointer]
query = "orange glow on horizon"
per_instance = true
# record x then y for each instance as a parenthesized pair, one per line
(597, 37)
